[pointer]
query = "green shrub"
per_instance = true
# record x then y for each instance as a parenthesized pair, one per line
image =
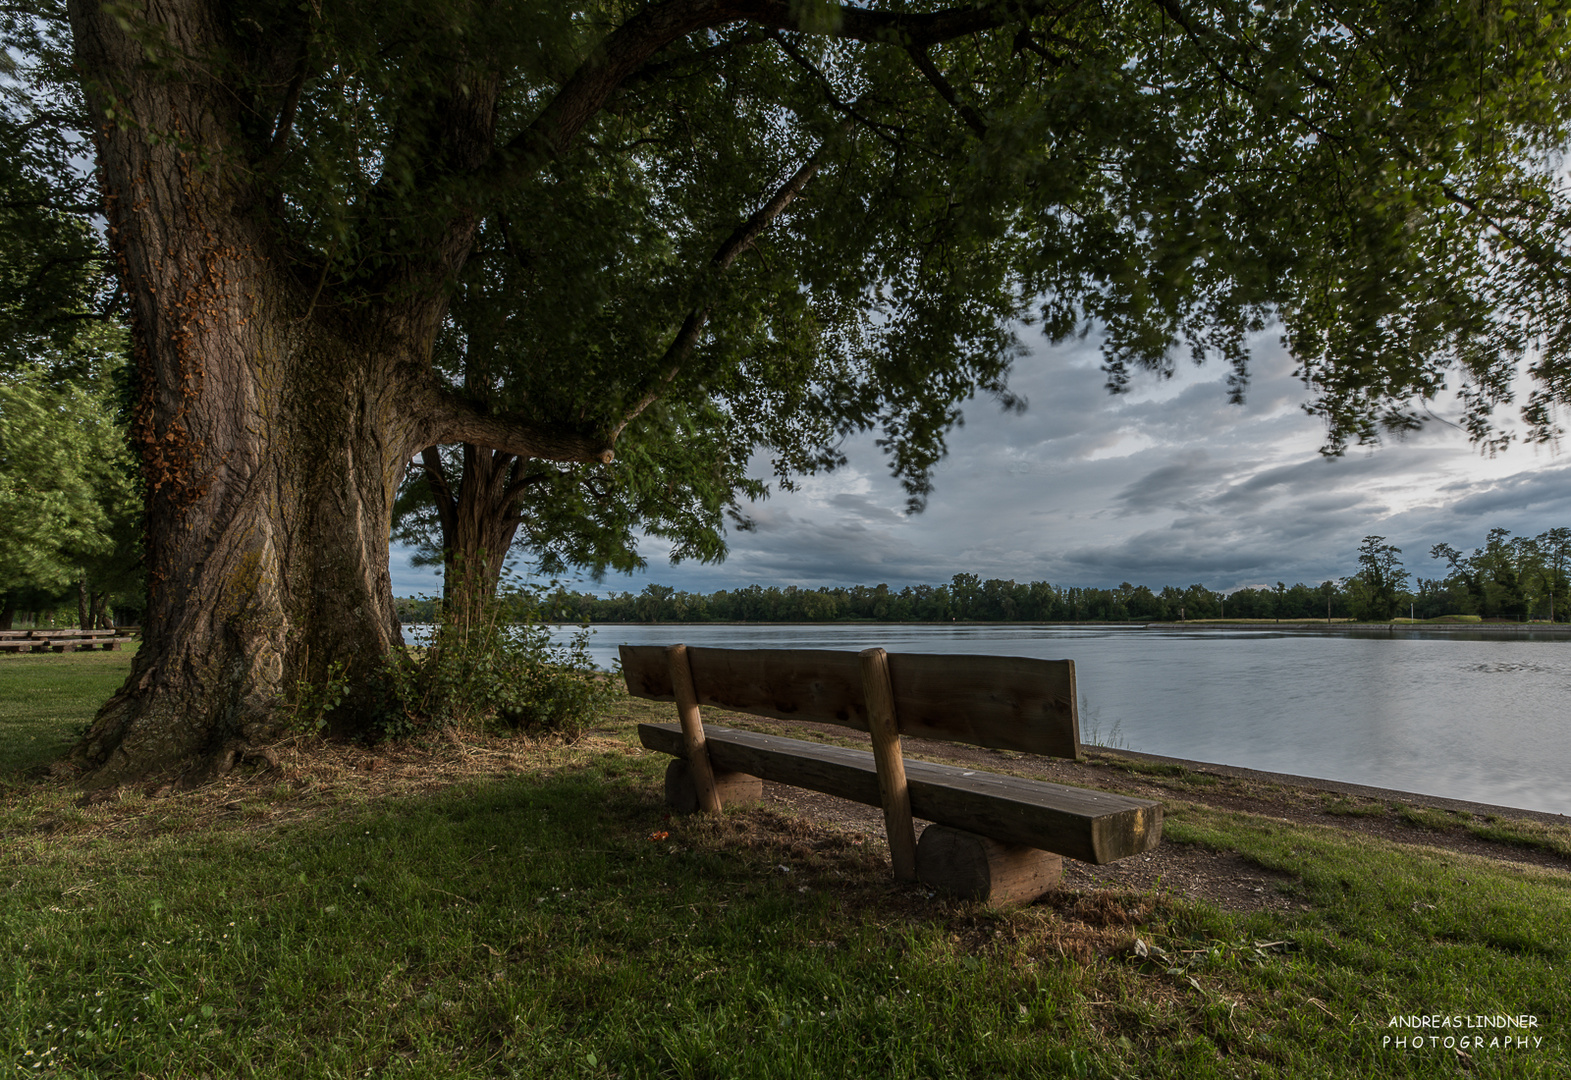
(308, 704)
(493, 663)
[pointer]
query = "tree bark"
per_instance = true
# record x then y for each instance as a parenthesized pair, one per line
(273, 427)
(479, 520)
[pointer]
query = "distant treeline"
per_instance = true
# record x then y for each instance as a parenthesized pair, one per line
(1511, 578)
(967, 598)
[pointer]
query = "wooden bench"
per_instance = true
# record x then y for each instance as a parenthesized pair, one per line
(995, 837)
(65, 640)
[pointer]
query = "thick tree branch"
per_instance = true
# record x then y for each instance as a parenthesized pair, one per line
(436, 477)
(626, 49)
(452, 419)
(585, 93)
(930, 72)
(739, 241)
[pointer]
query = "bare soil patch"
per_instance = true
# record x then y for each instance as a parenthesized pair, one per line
(1225, 879)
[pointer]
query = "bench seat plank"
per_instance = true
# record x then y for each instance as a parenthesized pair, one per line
(1093, 826)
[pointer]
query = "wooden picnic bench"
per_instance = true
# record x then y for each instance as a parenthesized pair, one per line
(65, 640)
(994, 837)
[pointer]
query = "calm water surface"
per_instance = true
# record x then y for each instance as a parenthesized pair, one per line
(1487, 720)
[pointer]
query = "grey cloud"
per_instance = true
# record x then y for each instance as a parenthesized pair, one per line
(1168, 486)
(1547, 491)
(864, 507)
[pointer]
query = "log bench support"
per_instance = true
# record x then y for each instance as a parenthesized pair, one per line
(995, 838)
(730, 788)
(973, 867)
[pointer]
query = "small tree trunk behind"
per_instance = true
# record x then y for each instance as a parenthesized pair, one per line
(484, 524)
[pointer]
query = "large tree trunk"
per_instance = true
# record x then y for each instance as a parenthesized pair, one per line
(275, 418)
(272, 439)
(273, 464)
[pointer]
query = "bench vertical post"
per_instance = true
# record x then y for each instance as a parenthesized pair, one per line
(892, 788)
(692, 729)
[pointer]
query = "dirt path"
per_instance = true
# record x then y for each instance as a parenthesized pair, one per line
(1227, 880)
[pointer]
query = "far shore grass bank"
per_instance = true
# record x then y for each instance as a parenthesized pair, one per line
(1462, 624)
(472, 906)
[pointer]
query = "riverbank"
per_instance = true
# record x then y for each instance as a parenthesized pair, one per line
(1503, 834)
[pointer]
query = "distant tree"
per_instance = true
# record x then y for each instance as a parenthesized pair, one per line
(1495, 578)
(965, 591)
(1327, 594)
(1553, 550)
(69, 504)
(1381, 577)
(1200, 602)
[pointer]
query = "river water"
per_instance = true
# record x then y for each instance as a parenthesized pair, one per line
(1457, 715)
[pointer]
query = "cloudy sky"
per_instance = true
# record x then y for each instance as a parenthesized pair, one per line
(1168, 484)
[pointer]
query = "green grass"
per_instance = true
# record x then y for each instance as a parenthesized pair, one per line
(46, 699)
(1168, 770)
(1343, 806)
(538, 924)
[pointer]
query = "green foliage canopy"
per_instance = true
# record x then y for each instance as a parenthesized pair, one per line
(1383, 179)
(69, 501)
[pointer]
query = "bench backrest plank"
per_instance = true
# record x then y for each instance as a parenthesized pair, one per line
(1002, 702)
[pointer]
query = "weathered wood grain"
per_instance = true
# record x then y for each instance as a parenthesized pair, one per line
(887, 760)
(733, 788)
(1004, 702)
(821, 685)
(646, 671)
(975, 867)
(693, 748)
(1093, 826)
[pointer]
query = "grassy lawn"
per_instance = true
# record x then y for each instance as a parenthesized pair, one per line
(45, 699)
(488, 908)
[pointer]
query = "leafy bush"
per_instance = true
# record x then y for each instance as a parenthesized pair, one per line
(308, 704)
(493, 662)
